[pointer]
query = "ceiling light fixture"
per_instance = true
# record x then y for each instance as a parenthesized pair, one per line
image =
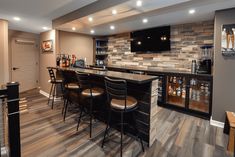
(191, 11)
(139, 3)
(92, 31)
(112, 27)
(45, 28)
(74, 28)
(114, 12)
(90, 19)
(145, 20)
(16, 18)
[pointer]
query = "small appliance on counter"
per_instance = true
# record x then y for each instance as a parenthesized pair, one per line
(204, 66)
(205, 62)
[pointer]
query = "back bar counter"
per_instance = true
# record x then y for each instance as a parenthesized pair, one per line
(183, 91)
(143, 87)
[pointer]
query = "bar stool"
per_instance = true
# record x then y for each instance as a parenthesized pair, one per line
(121, 103)
(89, 92)
(70, 85)
(54, 82)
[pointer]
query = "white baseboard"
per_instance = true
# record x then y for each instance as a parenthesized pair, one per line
(47, 95)
(216, 123)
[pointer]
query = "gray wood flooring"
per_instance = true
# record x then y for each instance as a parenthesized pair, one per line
(44, 134)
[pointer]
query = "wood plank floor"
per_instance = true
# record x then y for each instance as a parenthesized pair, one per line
(44, 134)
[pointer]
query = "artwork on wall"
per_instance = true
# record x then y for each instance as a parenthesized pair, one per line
(47, 46)
(227, 41)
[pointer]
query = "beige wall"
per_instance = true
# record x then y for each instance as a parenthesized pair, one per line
(78, 44)
(4, 55)
(13, 34)
(224, 75)
(47, 59)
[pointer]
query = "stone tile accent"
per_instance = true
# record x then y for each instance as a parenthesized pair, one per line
(186, 40)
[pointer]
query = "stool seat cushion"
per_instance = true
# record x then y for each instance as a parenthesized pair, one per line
(96, 91)
(72, 86)
(131, 102)
(55, 81)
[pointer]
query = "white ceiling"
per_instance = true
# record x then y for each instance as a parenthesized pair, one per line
(158, 12)
(36, 14)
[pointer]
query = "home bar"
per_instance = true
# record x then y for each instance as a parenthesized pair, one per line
(117, 78)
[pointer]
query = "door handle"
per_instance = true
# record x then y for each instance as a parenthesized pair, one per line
(14, 68)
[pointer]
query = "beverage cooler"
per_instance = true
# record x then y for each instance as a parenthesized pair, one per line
(199, 95)
(189, 93)
(176, 91)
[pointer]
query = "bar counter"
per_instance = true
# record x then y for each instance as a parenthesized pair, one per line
(135, 78)
(143, 87)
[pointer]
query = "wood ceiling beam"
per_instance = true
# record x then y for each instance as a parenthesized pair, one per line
(85, 11)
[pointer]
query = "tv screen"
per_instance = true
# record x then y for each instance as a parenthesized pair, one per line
(152, 40)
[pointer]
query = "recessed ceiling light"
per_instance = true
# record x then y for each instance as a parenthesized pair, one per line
(74, 28)
(112, 27)
(92, 31)
(90, 19)
(114, 12)
(191, 11)
(145, 20)
(139, 3)
(45, 28)
(16, 18)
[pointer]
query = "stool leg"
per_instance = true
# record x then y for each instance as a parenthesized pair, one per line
(79, 120)
(91, 105)
(107, 126)
(121, 132)
(65, 101)
(65, 109)
(53, 96)
(62, 91)
(50, 94)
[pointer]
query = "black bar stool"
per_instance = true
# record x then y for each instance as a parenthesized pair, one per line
(54, 82)
(119, 102)
(71, 87)
(89, 92)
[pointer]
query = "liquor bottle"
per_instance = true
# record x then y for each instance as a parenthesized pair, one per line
(178, 91)
(174, 91)
(170, 90)
(174, 79)
(184, 93)
(67, 61)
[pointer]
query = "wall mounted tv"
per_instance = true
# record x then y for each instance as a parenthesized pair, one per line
(154, 40)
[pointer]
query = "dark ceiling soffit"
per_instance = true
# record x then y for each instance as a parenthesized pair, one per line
(86, 10)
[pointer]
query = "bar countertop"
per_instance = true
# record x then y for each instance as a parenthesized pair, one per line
(134, 78)
(160, 71)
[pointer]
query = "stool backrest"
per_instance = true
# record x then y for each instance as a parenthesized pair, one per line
(51, 74)
(116, 89)
(69, 76)
(84, 81)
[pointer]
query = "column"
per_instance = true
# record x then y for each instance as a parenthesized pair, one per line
(4, 55)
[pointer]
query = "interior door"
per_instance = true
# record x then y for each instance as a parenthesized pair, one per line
(25, 63)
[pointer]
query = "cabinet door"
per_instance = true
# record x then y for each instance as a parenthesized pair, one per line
(199, 95)
(176, 91)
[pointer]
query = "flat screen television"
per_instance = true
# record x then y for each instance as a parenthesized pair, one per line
(154, 40)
